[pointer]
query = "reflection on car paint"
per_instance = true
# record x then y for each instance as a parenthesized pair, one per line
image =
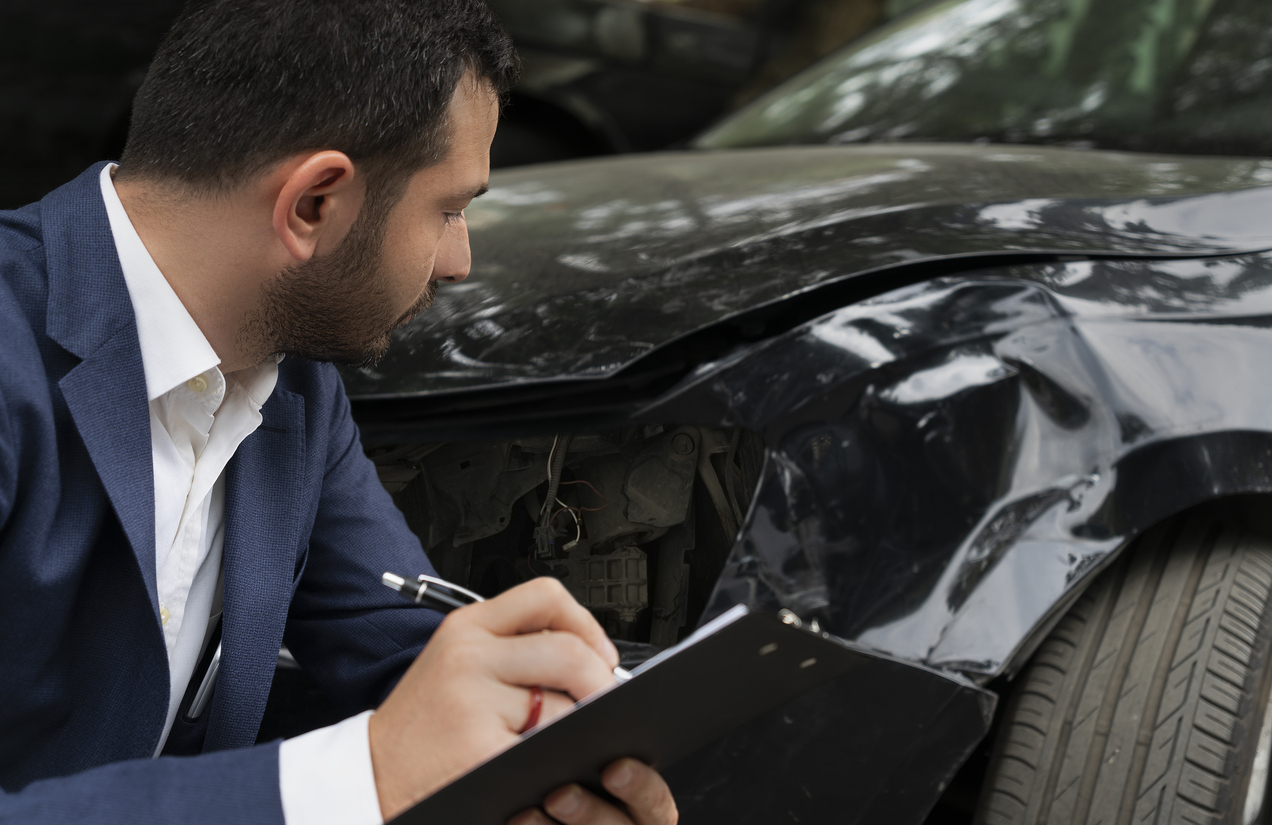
(1189, 76)
(948, 485)
(584, 281)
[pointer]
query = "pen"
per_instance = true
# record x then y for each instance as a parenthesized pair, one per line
(428, 591)
(204, 693)
(443, 596)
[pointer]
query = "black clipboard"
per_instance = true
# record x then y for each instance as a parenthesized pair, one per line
(729, 671)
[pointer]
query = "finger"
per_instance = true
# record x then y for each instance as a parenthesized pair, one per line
(513, 706)
(541, 604)
(572, 805)
(554, 660)
(554, 704)
(533, 816)
(648, 799)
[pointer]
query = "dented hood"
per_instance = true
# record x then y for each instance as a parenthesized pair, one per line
(581, 268)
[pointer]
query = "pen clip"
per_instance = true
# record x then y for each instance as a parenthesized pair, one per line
(454, 588)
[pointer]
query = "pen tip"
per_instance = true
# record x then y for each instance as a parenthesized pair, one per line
(393, 581)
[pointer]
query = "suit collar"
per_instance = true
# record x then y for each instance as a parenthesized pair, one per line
(88, 298)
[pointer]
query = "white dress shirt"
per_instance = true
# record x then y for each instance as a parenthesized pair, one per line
(198, 418)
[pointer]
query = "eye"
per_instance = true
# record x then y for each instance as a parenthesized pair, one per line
(454, 217)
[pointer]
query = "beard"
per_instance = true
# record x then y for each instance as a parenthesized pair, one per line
(334, 308)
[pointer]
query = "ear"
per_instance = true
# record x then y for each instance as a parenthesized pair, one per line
(318, 200)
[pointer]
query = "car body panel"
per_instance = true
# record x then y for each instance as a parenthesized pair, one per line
(950, 462)
(582, 269)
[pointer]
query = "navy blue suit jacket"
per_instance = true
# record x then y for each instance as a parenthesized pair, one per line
(83, 668)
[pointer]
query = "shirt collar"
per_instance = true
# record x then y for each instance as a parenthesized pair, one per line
(173, 348)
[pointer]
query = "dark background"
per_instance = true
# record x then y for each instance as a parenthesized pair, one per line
(601, 76)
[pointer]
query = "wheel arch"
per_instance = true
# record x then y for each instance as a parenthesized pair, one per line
(1223, 470)
(1252, 508)
(1147, 698)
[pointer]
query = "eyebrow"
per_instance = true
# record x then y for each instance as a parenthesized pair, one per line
(473, 194)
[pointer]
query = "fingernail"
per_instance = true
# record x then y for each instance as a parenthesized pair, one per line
(620, 778)
(566, 804)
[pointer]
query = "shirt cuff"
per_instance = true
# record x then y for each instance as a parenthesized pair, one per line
(325, 776)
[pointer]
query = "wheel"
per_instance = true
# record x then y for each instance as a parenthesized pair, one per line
(1149, 701)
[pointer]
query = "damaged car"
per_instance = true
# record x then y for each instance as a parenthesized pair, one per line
(1001, 414)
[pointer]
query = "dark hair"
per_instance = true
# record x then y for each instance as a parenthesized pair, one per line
(238, 85)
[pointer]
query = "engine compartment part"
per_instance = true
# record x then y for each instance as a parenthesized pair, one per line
(635, 522)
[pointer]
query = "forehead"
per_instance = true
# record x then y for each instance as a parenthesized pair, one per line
(472, 116)
(473, 104)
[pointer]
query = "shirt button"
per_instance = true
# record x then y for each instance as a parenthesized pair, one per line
(198, 383)
(163, 615)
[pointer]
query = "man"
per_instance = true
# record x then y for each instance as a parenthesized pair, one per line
(178, 467)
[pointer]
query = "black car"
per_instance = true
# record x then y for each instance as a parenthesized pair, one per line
(1000, 412)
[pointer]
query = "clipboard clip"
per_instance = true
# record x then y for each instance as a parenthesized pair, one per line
(812, 625)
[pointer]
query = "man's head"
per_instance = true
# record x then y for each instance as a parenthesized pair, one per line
(238, 85)
(347, 114)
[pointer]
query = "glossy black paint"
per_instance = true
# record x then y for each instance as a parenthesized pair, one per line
(582, 269)
(970, 400)
(1196, 79)
(949, 462)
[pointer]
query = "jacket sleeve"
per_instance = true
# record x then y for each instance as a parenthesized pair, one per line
(354, 636)
(229, 786)
(8, 464)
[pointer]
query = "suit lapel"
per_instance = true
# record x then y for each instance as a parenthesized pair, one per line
(106, 395)
(262, 533)
(91, 315)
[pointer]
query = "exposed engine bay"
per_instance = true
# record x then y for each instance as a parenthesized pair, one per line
(636, 523)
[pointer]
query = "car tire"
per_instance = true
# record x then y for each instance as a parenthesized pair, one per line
(1148, 703)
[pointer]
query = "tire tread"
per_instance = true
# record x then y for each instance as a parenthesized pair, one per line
(1135, 709)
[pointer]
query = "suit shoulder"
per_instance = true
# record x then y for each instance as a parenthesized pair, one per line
(20, 232)
(23, 278)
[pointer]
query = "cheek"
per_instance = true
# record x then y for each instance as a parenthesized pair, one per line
(410, 264)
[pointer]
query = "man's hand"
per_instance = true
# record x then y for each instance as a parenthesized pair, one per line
(646, 795)
(468, 695)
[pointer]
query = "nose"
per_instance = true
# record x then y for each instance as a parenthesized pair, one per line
(454, 258)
